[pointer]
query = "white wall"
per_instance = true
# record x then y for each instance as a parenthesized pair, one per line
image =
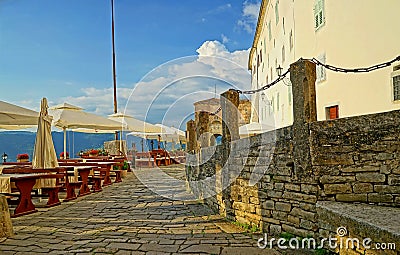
(356, 33)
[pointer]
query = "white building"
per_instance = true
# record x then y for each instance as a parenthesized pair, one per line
(342, 33)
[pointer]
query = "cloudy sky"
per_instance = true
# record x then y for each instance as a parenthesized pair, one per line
(169, 53)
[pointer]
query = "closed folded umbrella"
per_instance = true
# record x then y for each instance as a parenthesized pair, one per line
(44, 154)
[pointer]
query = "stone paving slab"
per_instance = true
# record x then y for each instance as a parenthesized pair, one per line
(130, 218)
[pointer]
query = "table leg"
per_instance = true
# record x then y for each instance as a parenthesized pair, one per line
(107, 179)
(25, 205)
(84, 190)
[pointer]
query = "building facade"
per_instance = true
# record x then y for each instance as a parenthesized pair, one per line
(342, 33)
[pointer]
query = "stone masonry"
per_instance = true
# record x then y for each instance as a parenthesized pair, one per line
(277, 178)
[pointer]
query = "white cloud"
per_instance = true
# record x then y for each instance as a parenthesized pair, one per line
(249, 17)
(224, 38)
(168, 92)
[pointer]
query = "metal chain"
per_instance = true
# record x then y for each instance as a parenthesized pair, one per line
(266, 86)
(217, 111)
(329, 67)
(355, 70)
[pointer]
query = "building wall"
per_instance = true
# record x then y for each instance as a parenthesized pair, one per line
(357, 33)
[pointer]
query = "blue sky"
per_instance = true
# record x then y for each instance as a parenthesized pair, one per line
(61, 49)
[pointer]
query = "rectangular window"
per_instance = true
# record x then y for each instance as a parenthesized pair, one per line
(277, 11)
(269, 30)
(320, 70)
(291, 40)
(319, 13)
(283, 54)
(332, 112)
(396, 88)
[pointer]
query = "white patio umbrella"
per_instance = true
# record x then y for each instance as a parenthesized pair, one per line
(15, 117)
(135, 125)
(167, 134)
(67, 116)
(44, 154)
(253, 128)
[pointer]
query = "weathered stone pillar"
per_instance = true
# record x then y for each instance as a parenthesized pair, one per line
(191, 136)
(303, 77)
(230, 115)
(202, 129)
(6, 229)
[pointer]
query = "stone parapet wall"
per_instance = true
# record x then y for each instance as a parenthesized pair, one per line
(352, 160)
(358, 159)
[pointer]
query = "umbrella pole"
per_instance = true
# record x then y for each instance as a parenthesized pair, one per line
(120, 141)
(65, 141)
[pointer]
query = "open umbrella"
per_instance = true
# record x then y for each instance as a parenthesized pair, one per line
(254, 128)
(133, 124)
(67, 116)
(16, 117)
(44, 155)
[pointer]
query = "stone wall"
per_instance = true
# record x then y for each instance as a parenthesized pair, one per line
(358, 158)
(352, 160)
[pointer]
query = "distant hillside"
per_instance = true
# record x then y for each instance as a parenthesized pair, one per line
(16, 142)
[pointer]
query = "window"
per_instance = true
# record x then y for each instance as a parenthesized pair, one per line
(283, 25)
(283, 54)
(321, 72)
(396, 88)
(319, 13)
(277, 11)
(332, 112)
(291, 40)
(290, 94)
(269, 30)
(277, 102)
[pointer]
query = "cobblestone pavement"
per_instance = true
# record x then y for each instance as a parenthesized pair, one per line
(129, 218)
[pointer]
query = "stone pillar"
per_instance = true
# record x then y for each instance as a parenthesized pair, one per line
(230, 115)
(202, 129)
(6, 229)
(303, 77)
(191, 136)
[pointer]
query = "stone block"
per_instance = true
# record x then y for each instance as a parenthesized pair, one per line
(302, 214)
(363, 188)
(275, 194)
(294, 220)
(293, 187)
(279, 215)
(384, 156)
(309, 189)
(336, 179)
(337, 188)
(285, 207)
(360, 169)
(275, 230)
(394, 179)
(387, 189)
(370, 177)
(269, 204)
(279, 186)
(351, 197)
(300, 197)
(306, 224)
(380, 198)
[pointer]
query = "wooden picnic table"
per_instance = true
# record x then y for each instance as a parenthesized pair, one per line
(24, 183)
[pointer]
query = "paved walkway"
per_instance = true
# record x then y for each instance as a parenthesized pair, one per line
(129, 218)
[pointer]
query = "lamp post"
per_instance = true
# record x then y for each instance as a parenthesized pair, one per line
(279, 70)
(114, 63)
(4, 157)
